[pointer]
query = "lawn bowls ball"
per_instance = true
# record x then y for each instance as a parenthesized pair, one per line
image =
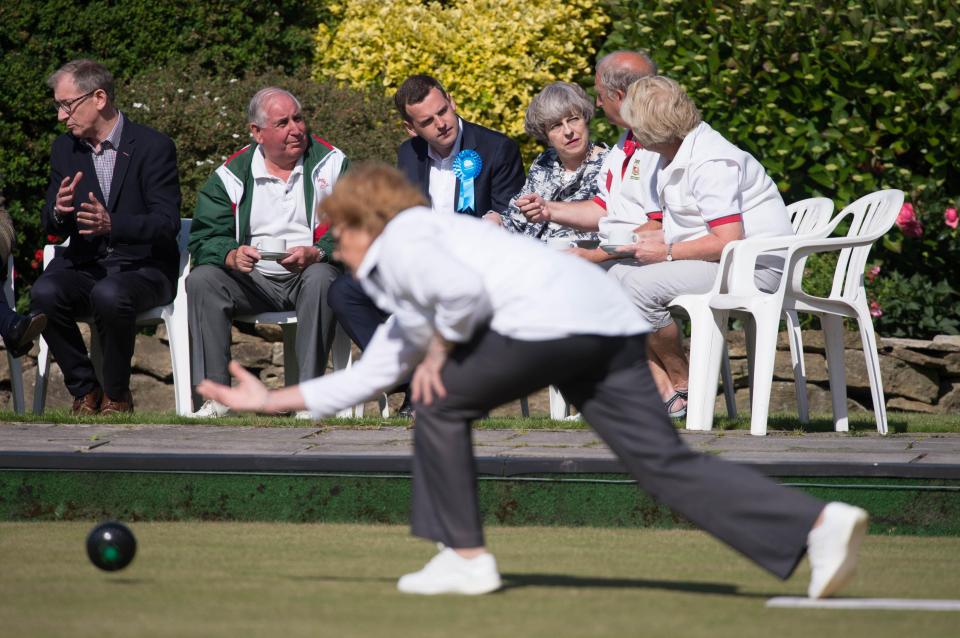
(111, 546)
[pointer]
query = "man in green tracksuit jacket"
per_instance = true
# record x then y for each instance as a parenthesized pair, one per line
(256, 242)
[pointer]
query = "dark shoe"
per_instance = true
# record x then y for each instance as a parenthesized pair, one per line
(88, 404)
(116, 407)
(406, 409)
(19, 339)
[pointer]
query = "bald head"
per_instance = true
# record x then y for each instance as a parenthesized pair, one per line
(615, 73)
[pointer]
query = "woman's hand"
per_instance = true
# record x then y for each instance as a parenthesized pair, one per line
(426, 383)
(249, 395)
(494, 218)
(534, 208)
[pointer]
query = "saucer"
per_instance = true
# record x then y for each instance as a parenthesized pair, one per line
(611, 249)
(271, 256)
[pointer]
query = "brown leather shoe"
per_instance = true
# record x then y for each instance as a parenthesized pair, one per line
(88, 403)
(115, 407)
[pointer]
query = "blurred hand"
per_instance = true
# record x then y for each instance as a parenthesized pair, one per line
(594, 255)
(249, 395)
(426, 383)
(494, 218)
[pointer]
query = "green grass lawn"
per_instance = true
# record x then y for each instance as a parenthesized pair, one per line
(860, 422)
(231, 579)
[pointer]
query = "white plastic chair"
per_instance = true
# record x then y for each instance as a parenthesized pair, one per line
(16, 367)
(173, 315)
(341, 352)
(808, 217)
(870, 218)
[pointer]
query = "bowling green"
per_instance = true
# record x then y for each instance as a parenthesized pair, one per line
(267, 579)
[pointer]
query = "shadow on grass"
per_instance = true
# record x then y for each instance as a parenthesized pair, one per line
(517, 581)
(859, 424)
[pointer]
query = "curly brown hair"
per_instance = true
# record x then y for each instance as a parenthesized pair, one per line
(368, 196)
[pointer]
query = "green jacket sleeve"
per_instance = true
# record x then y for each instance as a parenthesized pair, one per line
(213, 233)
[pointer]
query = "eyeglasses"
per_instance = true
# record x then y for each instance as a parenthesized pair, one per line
(68, 106)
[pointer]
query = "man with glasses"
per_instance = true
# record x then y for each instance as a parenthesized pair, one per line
(114, 191)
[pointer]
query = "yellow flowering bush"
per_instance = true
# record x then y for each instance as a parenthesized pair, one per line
(493, 56)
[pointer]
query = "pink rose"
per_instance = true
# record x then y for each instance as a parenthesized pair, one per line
(907, 221)
(875, 309)
(872, 273)
(950, 217)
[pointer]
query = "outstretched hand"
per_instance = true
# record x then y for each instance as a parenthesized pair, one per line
(249, 395)
(426, 382)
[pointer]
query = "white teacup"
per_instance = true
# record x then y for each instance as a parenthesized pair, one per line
(621, 236)
(271, 245)
(560, 243)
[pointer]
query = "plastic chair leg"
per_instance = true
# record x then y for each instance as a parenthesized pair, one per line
(766, 328)
(729, 391)
(178, 337)
(833, 342)
(43, 376)
(16, 383)
(559, 408)
(869, 342)
(707, 335)
(799, 368)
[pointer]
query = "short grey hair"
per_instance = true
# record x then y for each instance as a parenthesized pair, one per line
(256, 110)
(658, 110)
(87, 74)
(619, 77)
(555, 102)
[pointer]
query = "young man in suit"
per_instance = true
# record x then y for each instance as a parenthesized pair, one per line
(114, 191)
(461, 167)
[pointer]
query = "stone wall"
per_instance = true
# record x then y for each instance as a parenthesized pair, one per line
(918, 376)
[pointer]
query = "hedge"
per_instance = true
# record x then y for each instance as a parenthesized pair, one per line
(839, 99)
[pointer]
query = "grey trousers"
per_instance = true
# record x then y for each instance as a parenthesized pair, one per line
(608, 380)
(216, 295)
(652, 287)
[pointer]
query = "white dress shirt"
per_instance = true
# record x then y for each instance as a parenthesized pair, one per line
(452, 276)
(278, 210)
(443, 183)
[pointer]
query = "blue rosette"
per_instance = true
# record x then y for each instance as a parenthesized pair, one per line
(467, 166)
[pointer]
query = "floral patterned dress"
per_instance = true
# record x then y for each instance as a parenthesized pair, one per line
(550, 180)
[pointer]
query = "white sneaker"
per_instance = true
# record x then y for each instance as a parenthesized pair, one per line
(303, 414)
(832, 547)
(449, 573)
(211, 410)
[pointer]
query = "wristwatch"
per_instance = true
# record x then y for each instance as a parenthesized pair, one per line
(669, 252)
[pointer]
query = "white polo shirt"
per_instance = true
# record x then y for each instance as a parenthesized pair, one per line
(711, 182)
(453, 275)
(626, 183)
(277, 210)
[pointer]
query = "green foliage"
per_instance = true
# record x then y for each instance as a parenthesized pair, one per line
(205, 114)
(836, 98)
(492, 56)
(227, 38)
(914, 306)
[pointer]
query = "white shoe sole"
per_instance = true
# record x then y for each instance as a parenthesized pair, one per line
(848, 567)
(466, 589)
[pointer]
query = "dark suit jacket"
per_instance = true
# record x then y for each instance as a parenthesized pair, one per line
(144, 201)
(500, 178)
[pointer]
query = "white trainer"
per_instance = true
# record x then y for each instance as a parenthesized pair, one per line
(449, 573)
(211, 410)
(832, 548)
(303, 415)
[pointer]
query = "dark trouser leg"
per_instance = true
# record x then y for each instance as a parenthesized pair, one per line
(354, 310)
(761, 519)
(216, 295)
(64, 294)
(116, 300)
(315, 321)
(7, 317)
